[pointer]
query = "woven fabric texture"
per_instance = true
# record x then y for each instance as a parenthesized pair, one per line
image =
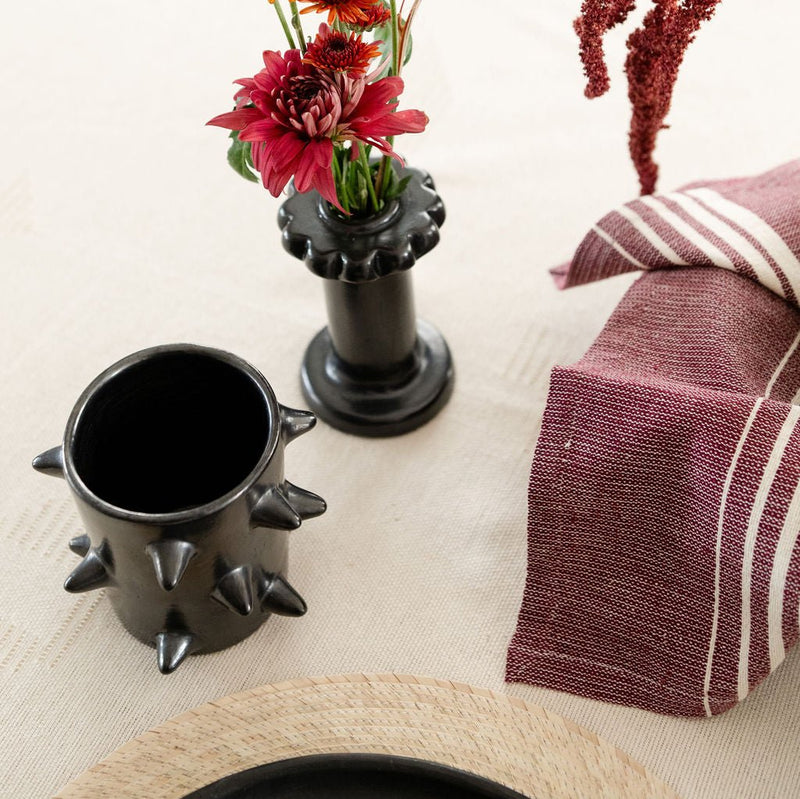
(664, 505)
(747, 225)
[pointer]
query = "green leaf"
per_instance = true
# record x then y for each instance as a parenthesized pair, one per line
(409, 48)
(383, 34)
(240, 159)
(396, 187)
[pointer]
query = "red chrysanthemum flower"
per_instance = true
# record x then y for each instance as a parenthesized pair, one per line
(351, 12)
(339, 52)
(292, 113)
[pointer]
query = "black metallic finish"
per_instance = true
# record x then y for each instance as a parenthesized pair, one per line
(375, 370)
(354, 776)
(169, 453)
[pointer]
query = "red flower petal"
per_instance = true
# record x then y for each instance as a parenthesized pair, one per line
(316, 156)
(260, 130)
(377, 95)
(410, 121)
(236, 120)
(323, 183)
(284, 150)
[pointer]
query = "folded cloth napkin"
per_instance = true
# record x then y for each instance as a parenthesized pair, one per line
(664, 506)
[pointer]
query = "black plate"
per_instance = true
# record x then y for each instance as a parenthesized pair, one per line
(353, 776)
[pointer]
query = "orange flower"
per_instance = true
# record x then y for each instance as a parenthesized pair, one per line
(339, 52)
(375, 15)
(351, 12)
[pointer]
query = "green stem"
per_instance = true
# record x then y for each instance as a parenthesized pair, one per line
(395, 31)
(395, 70)
(338, 179)
(364, 158)
(406, 34)
(284, 23)
(386, 163)
(297, 25)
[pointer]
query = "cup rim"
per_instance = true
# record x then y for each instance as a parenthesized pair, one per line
(197, 511)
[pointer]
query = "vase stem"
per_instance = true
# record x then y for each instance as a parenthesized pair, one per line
(373, 324)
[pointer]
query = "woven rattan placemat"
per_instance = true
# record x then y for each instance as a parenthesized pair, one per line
(499, 737)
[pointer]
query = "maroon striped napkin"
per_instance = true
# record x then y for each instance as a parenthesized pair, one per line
(664, 507)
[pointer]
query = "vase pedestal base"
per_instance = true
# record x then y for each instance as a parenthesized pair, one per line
(386, 405)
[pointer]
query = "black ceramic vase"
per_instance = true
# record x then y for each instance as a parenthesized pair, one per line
(175, 456)
(375, 370)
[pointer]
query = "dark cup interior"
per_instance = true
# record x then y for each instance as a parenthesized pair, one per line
(171, 432)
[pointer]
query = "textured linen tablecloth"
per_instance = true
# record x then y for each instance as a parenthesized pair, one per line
(121, 227)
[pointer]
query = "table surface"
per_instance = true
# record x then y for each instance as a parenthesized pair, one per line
(121, 227)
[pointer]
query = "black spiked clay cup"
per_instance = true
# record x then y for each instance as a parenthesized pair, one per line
(175, 457)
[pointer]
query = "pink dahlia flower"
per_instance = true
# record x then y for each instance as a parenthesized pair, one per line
(293, 113)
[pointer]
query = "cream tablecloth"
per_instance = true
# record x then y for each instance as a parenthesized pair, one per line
(121, 226)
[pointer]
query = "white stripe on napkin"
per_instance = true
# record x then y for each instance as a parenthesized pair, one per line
(618, 247)
(692, 235)
(777, 373)
(777, 581)
(651, 235)
(762, 232)
(718, 555)
(754, 522)
(761, 266)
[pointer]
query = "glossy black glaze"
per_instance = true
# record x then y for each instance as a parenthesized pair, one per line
(365, 249)
(354, 776)
(373, 324)
(175, 456)
(375, 370)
